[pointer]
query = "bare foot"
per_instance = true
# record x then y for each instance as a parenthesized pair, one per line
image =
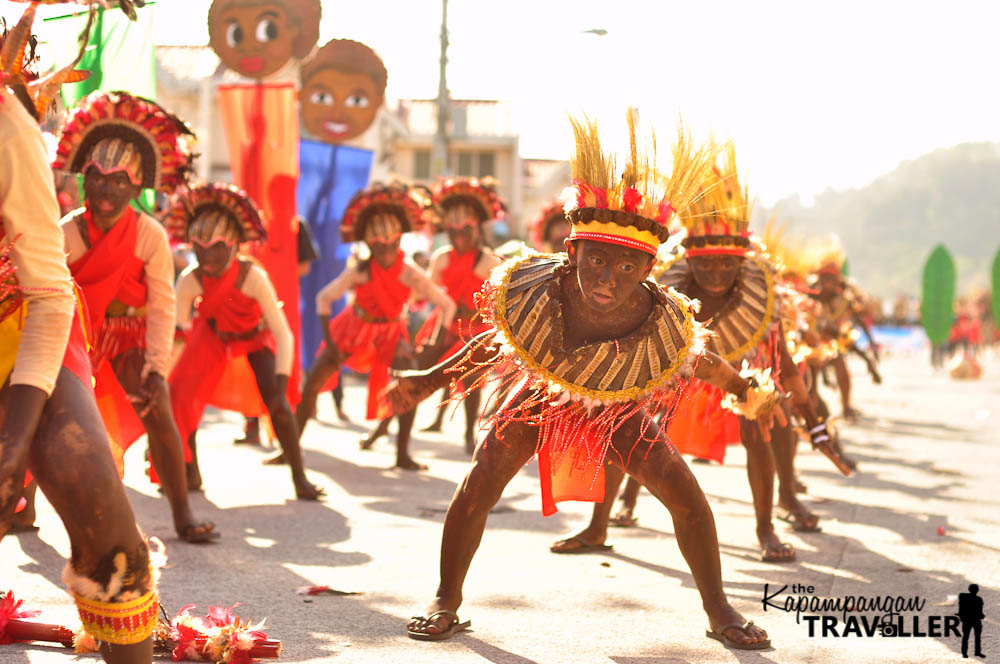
(773, 550)
(305, 490)
(727, 615)
(368, 440)
(623, 518)
(585, 540)
(407, 463)
(193, 477)
(440, 624)
(275, 460)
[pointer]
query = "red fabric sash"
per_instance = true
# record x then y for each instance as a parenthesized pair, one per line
(232, 310)
(110, 269)
(212, 371)
(460, 280)
(383, 296)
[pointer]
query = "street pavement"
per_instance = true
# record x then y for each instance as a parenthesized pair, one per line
(920, 519)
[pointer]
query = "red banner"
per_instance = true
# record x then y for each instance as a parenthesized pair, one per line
(261, 123)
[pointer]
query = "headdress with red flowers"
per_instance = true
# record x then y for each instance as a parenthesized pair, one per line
(481, 194)
(211, 198)
(410, 205)
(163, 140)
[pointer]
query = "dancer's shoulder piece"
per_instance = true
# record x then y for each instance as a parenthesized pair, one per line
(522, 301)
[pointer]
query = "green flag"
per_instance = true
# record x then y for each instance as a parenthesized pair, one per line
(120, 56)
(938, 301)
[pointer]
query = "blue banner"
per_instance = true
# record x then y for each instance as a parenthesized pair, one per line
(329, 175)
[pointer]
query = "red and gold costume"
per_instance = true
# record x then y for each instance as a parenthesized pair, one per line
(578, 397)
(368, 331)
(125, 273)
(458, 277)
(235, 314)
(746, 330)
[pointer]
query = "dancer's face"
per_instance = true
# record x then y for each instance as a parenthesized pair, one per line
(608, 274)
(384, 252)
(255, 39)
(108, 195)
(829, 284)
(462, 225)
(715, 273)
(337, 106)
(214, 259)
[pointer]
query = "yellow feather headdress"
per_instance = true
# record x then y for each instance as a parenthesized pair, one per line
(719, 221)
(634, 209)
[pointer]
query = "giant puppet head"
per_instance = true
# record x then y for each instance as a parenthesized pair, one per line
(256, 38)
(343, 85)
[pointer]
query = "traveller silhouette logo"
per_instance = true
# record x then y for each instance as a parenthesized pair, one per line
(862, 616)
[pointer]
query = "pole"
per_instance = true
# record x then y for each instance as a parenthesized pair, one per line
(439, 151)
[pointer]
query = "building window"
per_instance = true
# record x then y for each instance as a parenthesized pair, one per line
(465, 160)
(422, 164)
(487, 165)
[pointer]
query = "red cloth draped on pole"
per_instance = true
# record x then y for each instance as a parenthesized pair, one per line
(262, 132)
(111, 271)
(213, 371)
(368, 332)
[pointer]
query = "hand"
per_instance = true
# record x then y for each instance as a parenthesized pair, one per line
(767, 421)
(404, 393)
(820, 438)
(151, 387)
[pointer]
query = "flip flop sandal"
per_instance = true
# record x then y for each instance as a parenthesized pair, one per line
(776, 557)
(719, 635)
(581, 546)
(198, 534)
(456, 626)
(798, 521)
(623, 521)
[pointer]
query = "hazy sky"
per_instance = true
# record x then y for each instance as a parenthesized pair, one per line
(815, 94)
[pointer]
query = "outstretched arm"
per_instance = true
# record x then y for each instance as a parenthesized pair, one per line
(412, 387)
(716, 371)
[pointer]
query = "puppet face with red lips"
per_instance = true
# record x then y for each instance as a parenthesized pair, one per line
(338, 106)
(256, 38)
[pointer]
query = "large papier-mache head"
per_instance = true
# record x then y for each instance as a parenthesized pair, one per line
(634, 207)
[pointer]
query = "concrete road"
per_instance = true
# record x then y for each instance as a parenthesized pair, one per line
(928, 449)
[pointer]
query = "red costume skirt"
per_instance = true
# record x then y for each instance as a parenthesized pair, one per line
(211, 371)
(700, 426)
(366, 347)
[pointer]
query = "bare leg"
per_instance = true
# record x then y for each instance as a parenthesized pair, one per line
(327, 364)
(844, 381)
(193, 471)
(783, 440)
(760, 471)
(379, 431)
(665, 474)
(494, 463)
(166, 452)
(405, 359)
(71, 460)
(472, 404)
(625, 517)
(283, 421)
